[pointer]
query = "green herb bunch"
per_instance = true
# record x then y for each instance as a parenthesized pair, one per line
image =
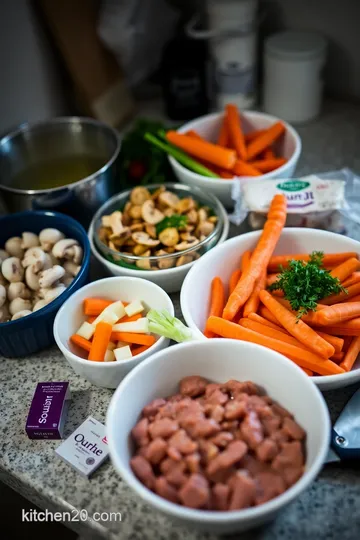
(176, 220)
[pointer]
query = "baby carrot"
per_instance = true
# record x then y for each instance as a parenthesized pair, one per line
(352, 291)
(252, 303)
(129, 337)
(100, 341)
(241, 168)
(272, 278)
(264, 312)
(253, 135)
(245, 260)
(217, 300)
(213, 153)
(269, 153)
(339, 330)
(307, 371)
(234, 278)
(337, 313)
(351, 280)
(94, 306)
(266, 139)
(329, 259)
(223, 138)
(260, 257)
(267, 165)
(351, 354)
(345, 269)
(347, 343)
(337, 357)
(258, 318)
(302, 357)
(81, 342)
(236, 135)
(193, 133)
(270, 332)
(336, 342)
(296, 327)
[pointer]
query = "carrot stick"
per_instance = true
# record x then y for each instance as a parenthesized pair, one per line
(217, 300)
(270, 332)
(100, 342)
(260, 257)
(129, 337)
(303, 358)
(266, 139)
(259, 319)
(138, 350)
(329, 259)
(213, 153)
(267, 165)
(94, 306)
(252, 303)
(245, 260)
(351, 280)
(337, 313)
(193, 133)
(235, 276)
(223, 138)
(81, 342)
(339, 330)
(337, 357)
(226, 175)
(269, 153)
(345, 269)
(133, 318)
(241, 168)
(296, 327)
(253, 135)
(307, 371)
(307, 317)
(90, 320)
(264, 312)
(347, 343)
(351, 355)
(236, 136)
(352, 291)
(336, 342)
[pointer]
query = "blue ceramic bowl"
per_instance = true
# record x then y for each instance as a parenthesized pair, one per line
(35, 332)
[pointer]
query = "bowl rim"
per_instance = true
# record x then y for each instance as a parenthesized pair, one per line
(219, 517)
(154, 258)
(107, 365)
(28, 126)
(229, 182)
(57, 302)
(323, 381)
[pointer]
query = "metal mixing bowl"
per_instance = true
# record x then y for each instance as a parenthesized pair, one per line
(56, 139)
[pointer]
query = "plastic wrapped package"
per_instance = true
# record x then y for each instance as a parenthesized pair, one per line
(329, 201)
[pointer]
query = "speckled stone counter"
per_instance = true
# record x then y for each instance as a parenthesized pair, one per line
(329, 509)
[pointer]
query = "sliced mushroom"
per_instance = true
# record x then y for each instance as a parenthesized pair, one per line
(150, 214)
(67, 280)
(139, 250)
(213, 219)
(113, 246)
(144, 239)
(29, 240)
(12, 270)
(3, 255)
(139, 195)
(71, 268)
(116, 223)
(168, 212)
(184, 259)
(187, 237)
(60, 248)
(106, 221)
(186, 245)
(205, 228)
(13, 247)
(185, 205)
(192, 216)
(144, 264)
(135, 212)
(169, 236)
(74, 254)
(126, 219)
(168, 198)
(4, 313)
(163, 264)
(157, 193)
(130, 242)
(49, 261)
(118, 241)
(51, 276)
(19, 304)
(190, 228)
(18, 290)
(32, 279)
(49, 237)
(104, 234)
(21, 314)
(3, 294)
(137, 227)
(34, 257)
(202, 213)
(151, 230)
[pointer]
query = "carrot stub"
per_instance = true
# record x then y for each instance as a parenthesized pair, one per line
(100, 341)
(193, 133)
(351, 354)
(81, 342)
(223, 138)
(129, 337)
(266, 139)
(236, 135)
(217, 301)
(241, 168)
(213, 153)
(94, 306)
(267, 165)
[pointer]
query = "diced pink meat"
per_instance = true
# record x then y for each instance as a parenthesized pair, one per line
(140, 432)
(153, 407)
(217, 397)
(236, 409)
(270, 421)
(216, 412)
(230, 425)
(266, 450)
(220, 496)
(222, 439)
(193, 462)
(202, 428)
(176, 475)
(208, 450)
(253, 465)
(164, 489)
(292, 475)
(246, 387)
(278, 409)
(235, 451)
(290, 455)
(182, 442)
(196, 492)
(165, 427)
(243, 490)
(269, 485)
(251, 430)
(143, 470)
(156, 450)
(173, 453)
(293, 429)
(280, 436)
(193, 386)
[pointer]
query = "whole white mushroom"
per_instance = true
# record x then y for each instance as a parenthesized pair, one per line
(21, 314)
(34, 257)
(3, 255)
(40, 304)
(51, 276)
(32, 279)
(29, 240)
(49, 237)
(18, 289)
(19, 304)
(12, 270)
(13, 247)
(2, 295)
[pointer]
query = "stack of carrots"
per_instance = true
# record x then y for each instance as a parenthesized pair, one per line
(322, 342)
(236, 153)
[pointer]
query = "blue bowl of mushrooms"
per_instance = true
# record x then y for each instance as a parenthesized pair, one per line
(45, 257)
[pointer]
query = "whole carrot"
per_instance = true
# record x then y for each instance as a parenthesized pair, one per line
(351, 354)
(266, 139)
(236, 135)
(337, 313)
(303, 358)
(217, 301)
(260, 257)
(241, 168)
(213, 153)
(223, 138)
(296, 327)
(345, 269)
(329, 259)
(268, 165)
(235, 276)
(252, 303)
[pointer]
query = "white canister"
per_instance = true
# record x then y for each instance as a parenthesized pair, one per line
(293, 75)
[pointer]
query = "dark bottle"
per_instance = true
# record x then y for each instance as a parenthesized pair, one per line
(185, 78)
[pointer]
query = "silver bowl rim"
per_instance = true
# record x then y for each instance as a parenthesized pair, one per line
(27, 126)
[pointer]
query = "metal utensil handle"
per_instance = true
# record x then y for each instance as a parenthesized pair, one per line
(339, 444)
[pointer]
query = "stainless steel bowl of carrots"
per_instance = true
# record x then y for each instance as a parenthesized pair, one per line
(213, 151)
(296, 291)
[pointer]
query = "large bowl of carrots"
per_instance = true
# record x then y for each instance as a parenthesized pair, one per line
(233, 145)
(296, 291)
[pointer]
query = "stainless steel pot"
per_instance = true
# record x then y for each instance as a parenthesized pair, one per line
(59, 138)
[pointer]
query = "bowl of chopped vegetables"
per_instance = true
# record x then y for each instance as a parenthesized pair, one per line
(306, 305)
(157, 232)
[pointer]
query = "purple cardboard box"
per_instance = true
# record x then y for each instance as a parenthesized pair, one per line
(48, 411)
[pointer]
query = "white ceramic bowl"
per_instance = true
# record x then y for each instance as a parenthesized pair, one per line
(222, 260)
(209, 126)
(171, 279)
(218, 360)
(70, 317)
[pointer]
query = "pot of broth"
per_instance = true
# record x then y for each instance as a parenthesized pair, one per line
(64, 164)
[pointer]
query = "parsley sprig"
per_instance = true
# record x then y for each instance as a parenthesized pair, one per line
(304, 284)
(176, 220)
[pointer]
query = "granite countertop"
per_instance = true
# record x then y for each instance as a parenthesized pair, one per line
(327, 510)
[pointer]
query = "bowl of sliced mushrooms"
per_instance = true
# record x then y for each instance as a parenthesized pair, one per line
(157, 232)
